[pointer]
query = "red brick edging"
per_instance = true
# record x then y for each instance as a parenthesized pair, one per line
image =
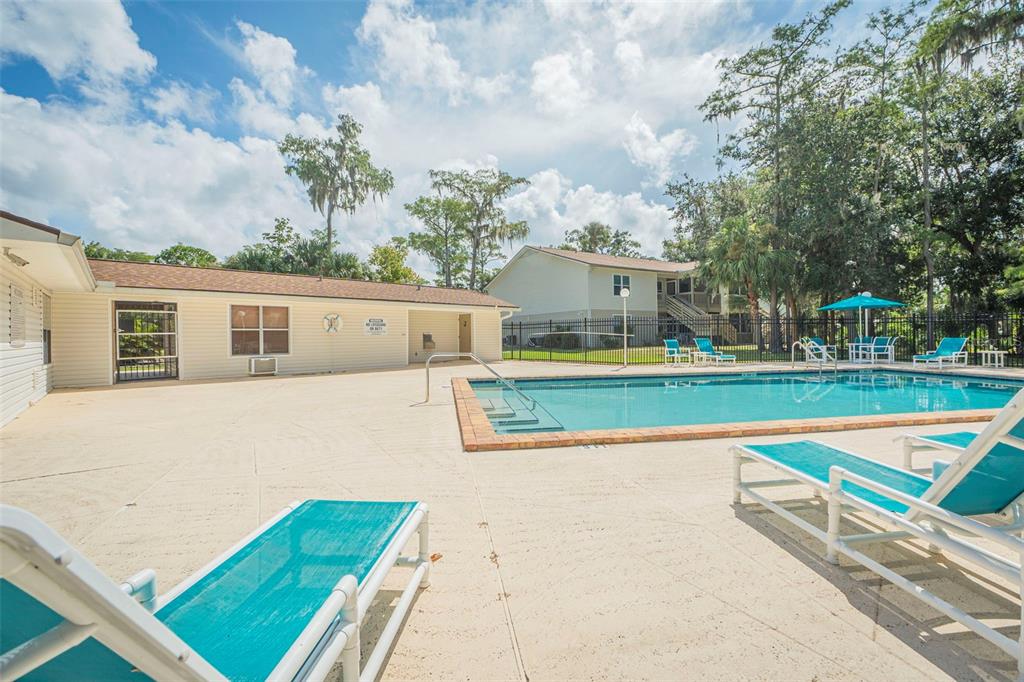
(478, 435)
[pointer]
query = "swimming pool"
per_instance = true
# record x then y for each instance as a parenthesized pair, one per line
(645, 402)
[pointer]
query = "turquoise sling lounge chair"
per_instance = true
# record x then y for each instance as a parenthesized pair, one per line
(821, 342)
(986, 478)
(284, 603)
(673, 351)
(883, 348)
(705, 347)
(951, 350)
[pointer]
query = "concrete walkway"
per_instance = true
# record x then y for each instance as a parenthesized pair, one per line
(607, 562)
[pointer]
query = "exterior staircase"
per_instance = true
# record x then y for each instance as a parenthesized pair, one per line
(697, 319)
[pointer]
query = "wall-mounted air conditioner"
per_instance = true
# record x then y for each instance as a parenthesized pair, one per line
(261, 366)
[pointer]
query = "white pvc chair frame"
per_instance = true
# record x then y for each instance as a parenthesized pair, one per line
(923, 520)
(38, 561)
(958, 358)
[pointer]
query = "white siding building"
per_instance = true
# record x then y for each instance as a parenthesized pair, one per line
(72, 322)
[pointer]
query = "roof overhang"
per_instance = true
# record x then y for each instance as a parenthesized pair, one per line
(54, 259)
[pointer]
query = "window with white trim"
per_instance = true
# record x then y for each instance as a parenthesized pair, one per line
(619, 282)
(259, 330)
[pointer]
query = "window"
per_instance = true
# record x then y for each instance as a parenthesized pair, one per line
(259, 330)
(659, 287)
(619, 282)
(47, 347)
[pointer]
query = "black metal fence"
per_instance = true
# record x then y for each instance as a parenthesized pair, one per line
(600, 341)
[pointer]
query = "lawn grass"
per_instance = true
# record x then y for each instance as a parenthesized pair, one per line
(642, 355)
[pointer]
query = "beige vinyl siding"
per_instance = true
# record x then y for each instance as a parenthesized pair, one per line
(204, 337)
(643, 291)
(443, 325)
(82, 333)
(544, 286)
(487, 335)
(24, 379)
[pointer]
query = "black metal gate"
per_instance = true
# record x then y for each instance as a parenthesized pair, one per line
(147, 340)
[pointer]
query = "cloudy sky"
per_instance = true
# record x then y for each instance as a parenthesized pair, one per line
(145, 124)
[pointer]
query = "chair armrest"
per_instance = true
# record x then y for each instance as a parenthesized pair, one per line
(142, 587)
(836, 475)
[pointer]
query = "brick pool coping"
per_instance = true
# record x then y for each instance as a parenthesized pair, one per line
(479, 436)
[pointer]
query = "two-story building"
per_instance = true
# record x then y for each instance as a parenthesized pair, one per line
(561, 285)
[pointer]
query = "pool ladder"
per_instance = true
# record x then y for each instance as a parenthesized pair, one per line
(473, 356)
(529, 404)
(809, 357)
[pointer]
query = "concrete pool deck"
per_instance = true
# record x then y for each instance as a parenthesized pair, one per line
(600, 562)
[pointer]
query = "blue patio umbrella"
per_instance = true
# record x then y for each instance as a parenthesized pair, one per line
(860, 303)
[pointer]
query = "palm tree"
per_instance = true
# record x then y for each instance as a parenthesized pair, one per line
(737, 257)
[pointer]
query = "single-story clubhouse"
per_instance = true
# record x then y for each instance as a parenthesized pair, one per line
(69, 321)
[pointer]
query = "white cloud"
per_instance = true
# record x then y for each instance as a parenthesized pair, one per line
(630, 58)
(256, 113)
(182, 101)
(141, 184)
(552, 206)
(656, 154)
(272, 59)
(410, 54)
(365, 102)
(560, 81)
(90, 40)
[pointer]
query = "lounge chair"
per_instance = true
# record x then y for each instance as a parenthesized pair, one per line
(883, 348)
(707, 350)
(284, 603)
(951, 442)
(674, 352)
(951, 350)
(986, 478)
(821, 342)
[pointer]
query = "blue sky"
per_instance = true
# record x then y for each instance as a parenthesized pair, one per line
(148, 123)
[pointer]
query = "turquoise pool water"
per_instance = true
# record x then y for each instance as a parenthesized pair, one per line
(636, 402)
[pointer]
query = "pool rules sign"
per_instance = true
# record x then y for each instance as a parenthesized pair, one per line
(376, 326)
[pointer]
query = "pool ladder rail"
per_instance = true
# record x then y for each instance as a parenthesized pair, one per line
(814, 354)
(495, 411)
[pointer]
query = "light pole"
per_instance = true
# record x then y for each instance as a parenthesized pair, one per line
(624, 293)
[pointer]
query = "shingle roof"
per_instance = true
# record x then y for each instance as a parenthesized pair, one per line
(158, 276)
(619, 261)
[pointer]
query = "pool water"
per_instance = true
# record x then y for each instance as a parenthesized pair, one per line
(580, 404)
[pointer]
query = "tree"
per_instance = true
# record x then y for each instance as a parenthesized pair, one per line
(96, 250)
(737, 257)
(183, 254)
(284, 249)
(387, 263)
(337, 171)
(699, 211)
(444, 241)
(487, 226)
(764, 84)
(595, 237)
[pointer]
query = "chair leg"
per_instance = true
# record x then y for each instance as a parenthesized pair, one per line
(908, 454)
(835, 511)
(351, 655)
(424, 555)
(737, 476)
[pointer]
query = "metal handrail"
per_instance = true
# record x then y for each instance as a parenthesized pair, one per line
(490, 369)
(825, 356)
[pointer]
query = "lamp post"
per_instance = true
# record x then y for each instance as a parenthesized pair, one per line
(624, 293)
